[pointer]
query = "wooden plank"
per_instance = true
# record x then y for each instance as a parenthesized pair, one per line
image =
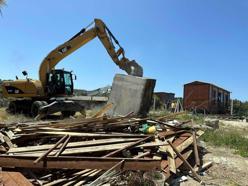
(72, 144)
(186, 143)
(99, 180)
(171, 160)
(88, 149)
(50, 150)
(185, 161)
(141, 155)
(95, 135)
(178, 161)
(197, 159)
(81, 150)
(74, 162)
(103, 110)
(189, 141)
(13, 179)
(63, 146)
(128, 146)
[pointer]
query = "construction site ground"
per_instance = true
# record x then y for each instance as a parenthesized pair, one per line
(229, 168)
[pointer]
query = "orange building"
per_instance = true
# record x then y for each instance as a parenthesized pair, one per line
(206, 97)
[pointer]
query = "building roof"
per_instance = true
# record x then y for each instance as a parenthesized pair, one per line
(205, 83)
(164, 93)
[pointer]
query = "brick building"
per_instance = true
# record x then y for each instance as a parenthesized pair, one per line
(202, 96)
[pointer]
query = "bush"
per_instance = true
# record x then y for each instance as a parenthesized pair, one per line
(240, 108)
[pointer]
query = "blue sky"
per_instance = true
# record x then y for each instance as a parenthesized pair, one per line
(176, 41)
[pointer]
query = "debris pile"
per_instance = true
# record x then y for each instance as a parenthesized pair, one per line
(99, 150)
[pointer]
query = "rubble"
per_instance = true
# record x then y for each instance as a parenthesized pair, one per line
(99, 150)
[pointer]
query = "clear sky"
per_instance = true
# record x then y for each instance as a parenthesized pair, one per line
(176, 41)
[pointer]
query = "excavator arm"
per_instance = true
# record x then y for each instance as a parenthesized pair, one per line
(87, 34)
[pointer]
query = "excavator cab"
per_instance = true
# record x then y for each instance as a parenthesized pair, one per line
(59, 83)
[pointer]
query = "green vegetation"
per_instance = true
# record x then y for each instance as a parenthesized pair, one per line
(197, 118)
(232, 139)
(240, 108)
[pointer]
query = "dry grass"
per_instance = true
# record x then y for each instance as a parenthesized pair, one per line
(9, 118)
(231, 138)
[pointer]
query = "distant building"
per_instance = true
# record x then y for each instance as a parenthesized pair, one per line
(165, 98)
(201, 96)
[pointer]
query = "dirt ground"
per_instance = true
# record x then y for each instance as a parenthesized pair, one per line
(228, 168)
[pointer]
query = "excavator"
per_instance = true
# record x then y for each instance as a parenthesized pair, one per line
(50, 93)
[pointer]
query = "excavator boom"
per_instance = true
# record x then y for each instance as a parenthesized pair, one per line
(99, 30)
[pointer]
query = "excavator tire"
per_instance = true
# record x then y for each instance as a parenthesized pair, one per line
(35, 108)
(44, 103)
(67, 114)
(12, 108)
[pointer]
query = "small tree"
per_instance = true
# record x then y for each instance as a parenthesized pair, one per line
(240, 108)
(2, 3)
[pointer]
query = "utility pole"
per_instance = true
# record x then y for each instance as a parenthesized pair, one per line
(231, 110)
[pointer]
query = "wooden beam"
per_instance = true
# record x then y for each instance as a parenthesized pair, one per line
(50, 150)
(63, 146)
(185, 161)
(197, 159)
(72, 144)
(75, 162)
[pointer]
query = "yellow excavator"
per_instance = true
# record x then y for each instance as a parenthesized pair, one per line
(50, 93)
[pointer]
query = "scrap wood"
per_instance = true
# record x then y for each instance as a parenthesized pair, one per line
(166, 124)
(103, 137)
(73, 144)
(2, 149)
(96, 172)
(185, 161)
(80, 150)
(178, 162)
(197, 159)
(171, 160)
(183, 123)
(95, 135)
(84, 149)
(129, 146)
(165, 134)
(141, 155)
(183, 141)
(76, 162)
(8, 141)
(13, 179)
(103, 110)
(50, 150)
(63, 146)
(205, 166)
(100, 179)
(91, 149)
(70, 180)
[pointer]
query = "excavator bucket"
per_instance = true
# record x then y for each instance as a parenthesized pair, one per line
(133, 68)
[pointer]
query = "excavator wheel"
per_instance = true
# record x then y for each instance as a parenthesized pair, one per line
(12, 108)
(35, 108)
(44, 103)
(67, 114)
